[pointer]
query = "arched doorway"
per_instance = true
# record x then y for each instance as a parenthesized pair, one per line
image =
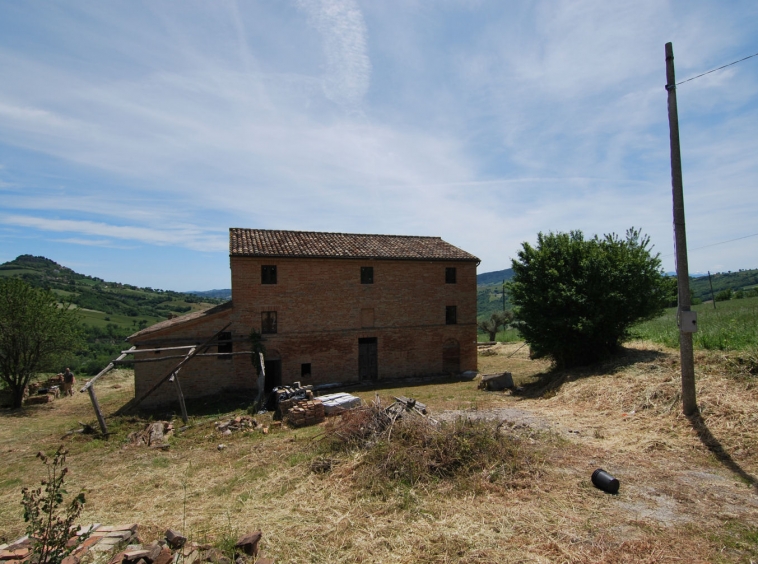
(451, 356)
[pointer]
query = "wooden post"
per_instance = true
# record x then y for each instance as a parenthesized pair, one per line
(689, 401)
(90, 387)
(713, 298)
(100, 418)
(175, 378)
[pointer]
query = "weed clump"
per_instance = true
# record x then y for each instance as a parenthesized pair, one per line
(413, 449)
(48, 526)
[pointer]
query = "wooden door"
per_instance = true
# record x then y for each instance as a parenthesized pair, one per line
(368, 365)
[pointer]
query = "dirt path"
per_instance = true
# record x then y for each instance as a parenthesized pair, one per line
(670, 474)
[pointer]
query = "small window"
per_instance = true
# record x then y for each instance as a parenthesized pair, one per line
(305, 370)
(451, 315)
(268, 322)
(268, 274)
(450, 275)
(225, 345)
(367, 275)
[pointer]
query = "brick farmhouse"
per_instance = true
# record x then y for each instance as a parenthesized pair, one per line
(331, 307)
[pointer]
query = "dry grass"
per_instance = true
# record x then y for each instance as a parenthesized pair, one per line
(687, 487)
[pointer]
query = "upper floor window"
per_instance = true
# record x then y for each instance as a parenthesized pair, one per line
(268, 322)
(268, 274)
(450, 274)
(451, 315)
(225, 344)
(367, 275)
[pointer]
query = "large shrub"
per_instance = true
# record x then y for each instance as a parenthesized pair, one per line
(576, 299)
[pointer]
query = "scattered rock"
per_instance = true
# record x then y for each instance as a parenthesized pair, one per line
(249, 543)
(174, 539)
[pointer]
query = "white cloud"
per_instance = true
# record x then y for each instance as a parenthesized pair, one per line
(348, 68)
(482, 122)
(192, 238)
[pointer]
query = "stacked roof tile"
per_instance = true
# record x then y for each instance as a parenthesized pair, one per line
(309, 244)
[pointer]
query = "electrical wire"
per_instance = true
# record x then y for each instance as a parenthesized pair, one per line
(714, 244)
(714, 70)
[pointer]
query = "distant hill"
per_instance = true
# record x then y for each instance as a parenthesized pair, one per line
(110, 311)
(495, 277)
(735, 281)
(215, 294)
(489, 292)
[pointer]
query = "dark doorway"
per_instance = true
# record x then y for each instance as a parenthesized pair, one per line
(273, 375)
(451, 356)
(368, 366)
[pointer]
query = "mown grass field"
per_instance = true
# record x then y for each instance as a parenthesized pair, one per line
(688, 487)
(732, 325)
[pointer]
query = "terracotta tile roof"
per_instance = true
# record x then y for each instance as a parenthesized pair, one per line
(181, 319)
(309, 244)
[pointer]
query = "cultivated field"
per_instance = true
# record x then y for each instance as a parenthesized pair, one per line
(688, 487)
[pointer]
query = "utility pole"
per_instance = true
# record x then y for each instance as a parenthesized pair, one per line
(503, 294)
(713, 299)
(685, 317)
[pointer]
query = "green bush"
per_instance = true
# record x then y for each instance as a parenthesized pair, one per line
(724, 295)
(575, 299)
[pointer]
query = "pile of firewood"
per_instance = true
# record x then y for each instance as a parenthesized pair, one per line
(154, 435)
(305, 413)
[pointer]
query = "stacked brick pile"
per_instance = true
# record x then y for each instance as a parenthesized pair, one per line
(102, 542)
(305, 413)
(98, 540)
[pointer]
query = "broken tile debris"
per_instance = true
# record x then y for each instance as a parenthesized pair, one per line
(122, 542)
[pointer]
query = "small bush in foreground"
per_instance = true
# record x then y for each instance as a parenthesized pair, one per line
(47, 526)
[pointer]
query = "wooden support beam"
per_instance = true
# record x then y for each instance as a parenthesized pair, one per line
(96, 406)
(175, 356)
(105, 370)
(189, 357)
(175, 378)
(133, 351)
(185, 418)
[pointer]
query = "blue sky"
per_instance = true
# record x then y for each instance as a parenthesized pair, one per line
(134, 134)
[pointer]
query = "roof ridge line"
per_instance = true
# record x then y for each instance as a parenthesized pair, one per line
(333, 233)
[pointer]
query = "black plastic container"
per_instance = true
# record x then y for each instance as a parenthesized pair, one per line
(604, 481)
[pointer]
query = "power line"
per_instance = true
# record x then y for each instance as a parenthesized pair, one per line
(719, 243)
(714, 70)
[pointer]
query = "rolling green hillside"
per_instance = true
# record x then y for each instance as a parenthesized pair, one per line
(110, 311)
(489, 292)
(743, 280)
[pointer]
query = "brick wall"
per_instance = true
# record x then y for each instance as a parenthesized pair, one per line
(201, 376)
(322, 309)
